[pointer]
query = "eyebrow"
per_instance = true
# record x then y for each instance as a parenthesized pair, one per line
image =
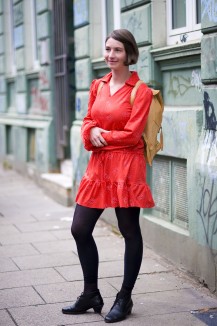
(115, 47)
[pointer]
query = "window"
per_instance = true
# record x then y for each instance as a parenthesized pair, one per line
(110, 18)
(31, 145)
(9, 140)
(11, 95)
(184, 21)
(9, 38)
(33, 94)
(31, 46)
(168, 181)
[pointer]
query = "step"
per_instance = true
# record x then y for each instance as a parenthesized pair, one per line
(66, 168)
(58, 186)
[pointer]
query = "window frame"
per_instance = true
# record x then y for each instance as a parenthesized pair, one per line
(192, 28)
(168, 213)
(116, 15)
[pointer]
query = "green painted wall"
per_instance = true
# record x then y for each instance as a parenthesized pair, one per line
(26, 94)
(187, 75)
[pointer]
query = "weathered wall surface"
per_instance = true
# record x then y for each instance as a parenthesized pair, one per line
(26, 87)
(206, 159)
(187, 76)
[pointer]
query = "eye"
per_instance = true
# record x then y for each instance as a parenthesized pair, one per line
(118, 50)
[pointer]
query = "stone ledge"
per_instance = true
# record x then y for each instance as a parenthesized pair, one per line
(58, 186)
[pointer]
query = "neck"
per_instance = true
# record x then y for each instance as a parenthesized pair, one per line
(120, 77)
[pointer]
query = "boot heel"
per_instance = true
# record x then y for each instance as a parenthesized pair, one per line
(129, 312)
(98, 309)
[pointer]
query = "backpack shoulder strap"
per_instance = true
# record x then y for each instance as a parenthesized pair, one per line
(100, 86)
(133, 93)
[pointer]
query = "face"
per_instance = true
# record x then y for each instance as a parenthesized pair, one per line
(115, 54)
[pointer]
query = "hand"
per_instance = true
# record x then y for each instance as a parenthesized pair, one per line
(96, 138)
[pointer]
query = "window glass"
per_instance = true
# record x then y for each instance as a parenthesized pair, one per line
(31, 145)
(9, 140)
(34, 95)
(110, 16)
(178, 13)
(198, 11)
(11, 94)
(31, 48)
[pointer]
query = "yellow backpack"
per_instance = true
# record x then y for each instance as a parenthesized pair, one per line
(153, 125)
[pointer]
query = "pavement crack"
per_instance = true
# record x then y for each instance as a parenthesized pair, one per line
(39, 294)
(11, 317)
(35, 247)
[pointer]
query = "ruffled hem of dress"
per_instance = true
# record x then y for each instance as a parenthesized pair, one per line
(102, 194)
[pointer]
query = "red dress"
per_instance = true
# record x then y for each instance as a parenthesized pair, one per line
(116, 173)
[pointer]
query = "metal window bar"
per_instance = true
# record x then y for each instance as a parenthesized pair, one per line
(161, 187)
(180, 200)
(169, 189)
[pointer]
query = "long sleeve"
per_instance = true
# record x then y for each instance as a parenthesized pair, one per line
(133, 129)
(88, 122)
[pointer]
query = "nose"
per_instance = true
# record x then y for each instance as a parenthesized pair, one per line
(111, 54)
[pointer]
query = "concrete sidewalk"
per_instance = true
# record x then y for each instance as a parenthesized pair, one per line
(40, 271)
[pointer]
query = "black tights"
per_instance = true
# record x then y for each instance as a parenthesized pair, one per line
(83, 225)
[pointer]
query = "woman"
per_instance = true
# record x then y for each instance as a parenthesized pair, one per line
(116, 173)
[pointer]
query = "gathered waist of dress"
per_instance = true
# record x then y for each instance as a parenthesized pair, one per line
(121, 151)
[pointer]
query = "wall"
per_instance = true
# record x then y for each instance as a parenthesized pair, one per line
(206, 160)
(26, 86)
(186, 74)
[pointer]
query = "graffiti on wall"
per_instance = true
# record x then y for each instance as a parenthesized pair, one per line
(38, 100)
(209, 9)
(196, 80)
(207, 212)
(179, 84)
(43, 78)
(183, 38)
(208, 147)
(210, 117)
(134, 24)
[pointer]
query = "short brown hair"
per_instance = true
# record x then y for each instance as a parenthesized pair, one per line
(126, 37)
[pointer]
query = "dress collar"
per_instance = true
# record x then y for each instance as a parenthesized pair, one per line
(131, 81)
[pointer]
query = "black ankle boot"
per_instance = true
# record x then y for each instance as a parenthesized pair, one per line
(84, 303)
(120, 309)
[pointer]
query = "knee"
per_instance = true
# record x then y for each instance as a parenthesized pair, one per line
(75, 232)
(79, 234)
(131, 234)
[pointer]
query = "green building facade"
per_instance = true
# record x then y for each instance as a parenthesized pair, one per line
(26, 99)
(178, 44)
